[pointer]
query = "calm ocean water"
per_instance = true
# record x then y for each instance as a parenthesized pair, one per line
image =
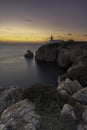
(16, 70)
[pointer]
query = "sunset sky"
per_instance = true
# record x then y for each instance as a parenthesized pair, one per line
(36, 20)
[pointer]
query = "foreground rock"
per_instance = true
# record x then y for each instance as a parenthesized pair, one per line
(29, 54)
(20, 116)
(9, 96)
(68, 87)
(81, 96)
(69, 110)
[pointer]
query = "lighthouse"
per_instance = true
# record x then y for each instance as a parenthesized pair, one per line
(51, 38)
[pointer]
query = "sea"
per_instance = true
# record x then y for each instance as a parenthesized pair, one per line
(15, 69)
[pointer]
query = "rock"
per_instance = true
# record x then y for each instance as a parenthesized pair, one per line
(47, 53)
(64, 59)
(9, 96)
(78, 72)
(66, 54)
(81, 96)
(20, 116)
(69, 86)
(62, 78)
(67, 109)
(29, 54)
(71, 53)
(84, 115)
(80, 127)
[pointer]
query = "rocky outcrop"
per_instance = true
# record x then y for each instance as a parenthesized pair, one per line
(47, 53)
(78, 72)
(9, 96)
(29, 54)
(81, 96)
(68, 87)
(66, 54)
(69, 110)
(71, 54)
(20, 116)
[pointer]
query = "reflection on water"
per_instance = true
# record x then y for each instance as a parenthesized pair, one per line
(16, 70)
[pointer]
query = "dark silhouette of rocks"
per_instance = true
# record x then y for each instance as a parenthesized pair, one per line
(69, 55)
(29, 54)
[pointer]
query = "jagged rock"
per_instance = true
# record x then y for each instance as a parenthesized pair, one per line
(67, 109)
(81, 96)
(20, 116)
(69, 86)
(29, 54)
(9, 96)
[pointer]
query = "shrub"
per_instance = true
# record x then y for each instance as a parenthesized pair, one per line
(66, 122)
(46, 98)
(48, 104)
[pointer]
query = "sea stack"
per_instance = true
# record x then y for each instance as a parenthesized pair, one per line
(29, 54)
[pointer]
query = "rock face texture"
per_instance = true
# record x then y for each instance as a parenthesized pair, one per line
(9, 96)
(69, 55)
(78, 72)
(47, 53)
(29, 54)
(77, 107)
(81, 96)
(20, 116)
(69, 87)
(67, 109)
(66, 54)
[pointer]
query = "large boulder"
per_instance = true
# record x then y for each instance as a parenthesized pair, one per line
(69, 87)
(20, 116)
(69, 110)
(81, 96)
(9, 96)
(79, 72)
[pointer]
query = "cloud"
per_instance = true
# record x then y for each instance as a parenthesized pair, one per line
(10, 29)
(85, 35)
(69, 34)
(28, 20)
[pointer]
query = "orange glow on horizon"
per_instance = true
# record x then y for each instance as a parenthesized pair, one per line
(14, 34)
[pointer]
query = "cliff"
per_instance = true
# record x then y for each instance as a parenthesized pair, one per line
(69, 55)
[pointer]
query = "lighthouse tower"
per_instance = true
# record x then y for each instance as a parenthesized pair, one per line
(51, 38)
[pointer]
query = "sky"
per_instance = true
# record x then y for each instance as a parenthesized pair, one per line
(37, 20)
